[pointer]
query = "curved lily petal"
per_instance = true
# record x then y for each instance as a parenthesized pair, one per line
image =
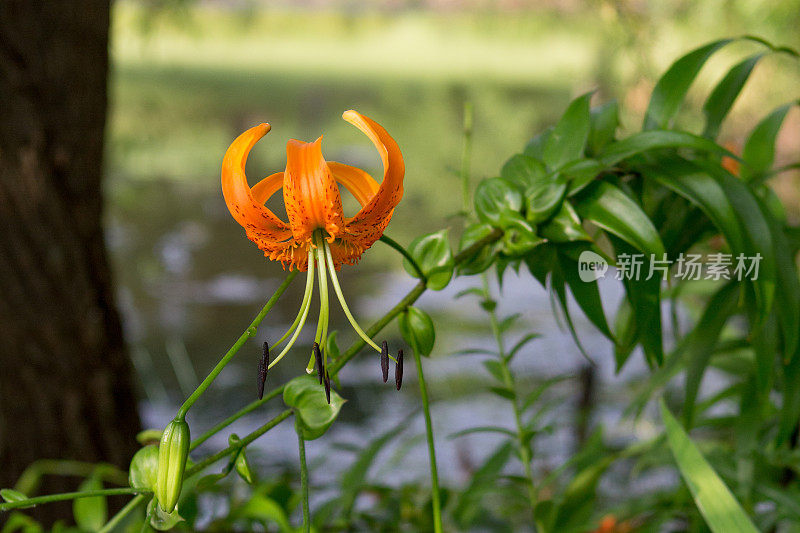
(367, 226)
(246, 210)
(310, 193)
(360, 184)
(391, 189)
(264, 189)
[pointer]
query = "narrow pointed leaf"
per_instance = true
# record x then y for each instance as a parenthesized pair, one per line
(611, 209)
(605, 121)
(648, 141)
(671, 89)
(568, 139)
(697, 347)
(723, 96)
(759, 150)
(714, 500)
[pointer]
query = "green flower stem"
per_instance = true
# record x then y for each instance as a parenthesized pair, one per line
(30, 502)
(508, 381)
(248, 333)
(394, 244)
(125, 511)
(423, 394)
(301, 445)
(199, 467)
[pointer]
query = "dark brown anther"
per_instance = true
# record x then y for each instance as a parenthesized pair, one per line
(263, 368)
(318, 360)
(328, 387)
(398, 370)
(385, 361)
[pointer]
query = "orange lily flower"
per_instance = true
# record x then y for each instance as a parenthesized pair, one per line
(312, 198)
(317, 235)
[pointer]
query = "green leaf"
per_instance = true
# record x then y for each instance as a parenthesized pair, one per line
(483, 429)
(11, 495)
(519, 238)
(698, 345)
(586, 294)
(644, 296)
(788, 297)
(504, 392)
(723, 96)
(611, 209)
(161, 520)
(543, 197)
(495, 368)
(90, 513)
(759, 150)
(558, 294)
(568, 139)
(266, 511)
(604, 124)
(143, 470)
(481, 260)
(307, 397)
(714, 500)
(523, 170)
(565, 226)
(535, 147)
(495, 200)
(648, 141)
(580, 174)
(241, 464)
(433, 255)
(418, 330)
(757, 237)
(671, 89)
(696, 185)
(522, 343)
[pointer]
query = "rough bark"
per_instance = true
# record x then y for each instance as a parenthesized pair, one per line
(65, 379)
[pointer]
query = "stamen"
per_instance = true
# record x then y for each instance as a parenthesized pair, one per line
(306, 300)
(318, 360)
(262, 370)
(338, 289)
(303, 310)
(398, 370)
(385, 361)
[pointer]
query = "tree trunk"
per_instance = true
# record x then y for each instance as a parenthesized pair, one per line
(65, 380)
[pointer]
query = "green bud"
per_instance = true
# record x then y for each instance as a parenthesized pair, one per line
(143, 471)
(172, 454)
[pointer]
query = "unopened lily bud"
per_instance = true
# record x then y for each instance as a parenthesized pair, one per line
(172, 454)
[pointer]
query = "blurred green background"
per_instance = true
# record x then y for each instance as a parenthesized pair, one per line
(188, 77)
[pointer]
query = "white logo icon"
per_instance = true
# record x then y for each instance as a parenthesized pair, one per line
(591, 266)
